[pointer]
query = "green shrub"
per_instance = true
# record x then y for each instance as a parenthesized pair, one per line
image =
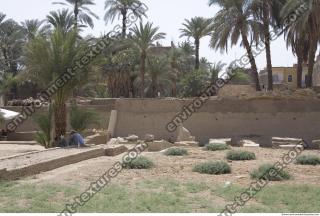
(176, 152)
(240, 155)
(213, 168)
(44, 122)
(139, 163)
(268, 171)
(80, 118)
(216, 147)
(308, 160)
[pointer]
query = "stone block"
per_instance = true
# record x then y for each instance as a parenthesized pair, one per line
(184, 135)
(315, 144)
(115, 150)
(236, 141)
(149, 138)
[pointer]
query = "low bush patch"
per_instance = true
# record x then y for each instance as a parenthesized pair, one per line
(213, 168)
(268, 172)
(308, 160)
(216, 147)
(240, 155)
(139, 163)
(176, 152)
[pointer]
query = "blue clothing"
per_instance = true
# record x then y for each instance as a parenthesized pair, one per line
(80, 139)
(76, 139)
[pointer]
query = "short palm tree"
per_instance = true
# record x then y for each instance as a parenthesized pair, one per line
(62, 19)
(117, 8)
(81, 11)
(144, 37)
(196, 28)
(158, 69)
(233, 21)
(46, 60)
(267, 12)
(307, 22)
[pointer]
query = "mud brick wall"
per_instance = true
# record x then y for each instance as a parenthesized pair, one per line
(221, 118)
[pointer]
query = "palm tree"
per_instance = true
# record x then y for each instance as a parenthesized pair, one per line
(158, 69)
(215, 70)
(62, 19)
(233, 21)
(11, 42)
(308, 22)
(33, 28)
(197, 28)
(268, 13)
(117, 8)
(81, 11)
(144, 37)
(47, 59)
(299, 42)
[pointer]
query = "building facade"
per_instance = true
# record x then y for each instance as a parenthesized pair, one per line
(286, 76)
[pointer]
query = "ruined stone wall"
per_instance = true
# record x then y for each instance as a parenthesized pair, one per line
(221, 118)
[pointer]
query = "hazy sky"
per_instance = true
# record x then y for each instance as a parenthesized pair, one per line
(167, 14)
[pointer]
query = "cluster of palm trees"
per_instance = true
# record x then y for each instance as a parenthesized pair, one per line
(252, 20)
(136, 65)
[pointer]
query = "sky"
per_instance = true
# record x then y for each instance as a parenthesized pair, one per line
(167, 14)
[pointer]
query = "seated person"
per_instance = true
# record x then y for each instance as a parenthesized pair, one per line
(76, 139)
(62, 142)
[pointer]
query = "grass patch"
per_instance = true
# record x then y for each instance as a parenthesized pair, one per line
(268, 172)
(168, 196)
(308, 160)
(240, 155)
(176, 152)
(216, 147)
(195, 187)
(213, 168)
(139, 163)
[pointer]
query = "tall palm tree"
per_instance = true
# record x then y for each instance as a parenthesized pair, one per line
(144, 37)
(197, 28)
(62, 19)
(300, 47)
(33, 28)
(233, 21)
(308, 22)
(46, 60)
(81, 11)
(268, 13)
(117, 8)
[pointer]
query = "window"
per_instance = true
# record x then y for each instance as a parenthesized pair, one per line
(290, 78)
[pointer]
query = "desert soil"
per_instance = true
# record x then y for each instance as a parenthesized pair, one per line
(178, 168)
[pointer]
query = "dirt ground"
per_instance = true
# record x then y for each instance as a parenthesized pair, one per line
(7, 150)
(179, 168)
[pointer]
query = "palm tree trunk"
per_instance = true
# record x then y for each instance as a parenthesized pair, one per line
(299, 70)
(142, 72)
(197, 44)
(60, 118)
(154, 87)
(254, 69)
(124, 23)
(266, 29)
(311, 60)
(76, 14)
